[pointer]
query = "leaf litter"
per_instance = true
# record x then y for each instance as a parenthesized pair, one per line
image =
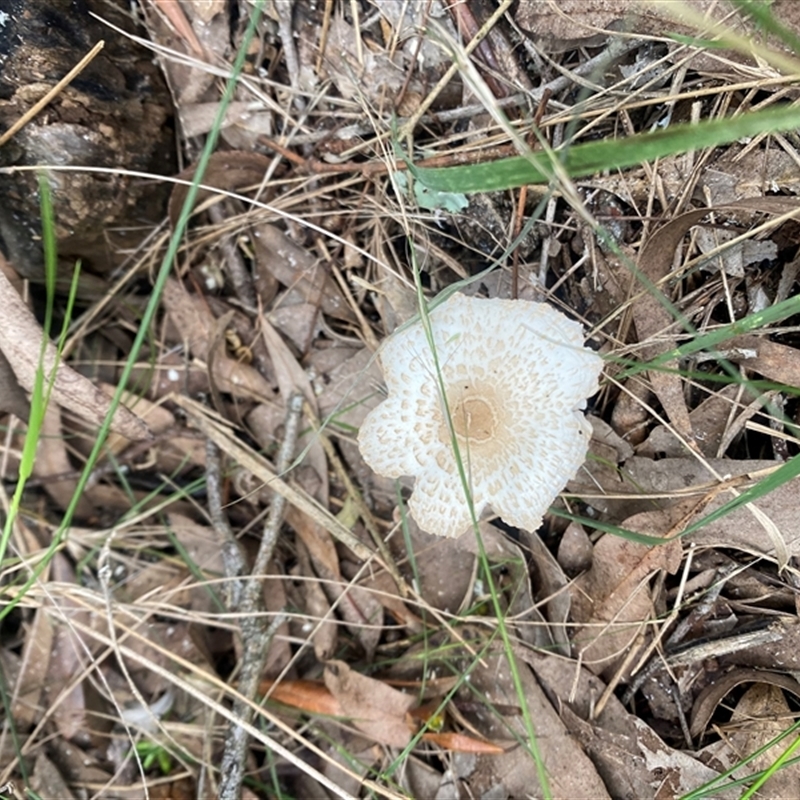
(372, 648)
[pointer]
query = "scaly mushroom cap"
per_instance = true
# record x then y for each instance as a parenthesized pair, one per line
(516, 377)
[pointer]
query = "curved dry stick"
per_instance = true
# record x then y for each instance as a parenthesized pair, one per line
(21, 341)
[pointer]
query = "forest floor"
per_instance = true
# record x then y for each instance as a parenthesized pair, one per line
(219, 597)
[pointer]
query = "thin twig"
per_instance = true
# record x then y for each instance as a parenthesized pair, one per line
(233, 559)
(278, 505)
(256, 636)
(56, 90)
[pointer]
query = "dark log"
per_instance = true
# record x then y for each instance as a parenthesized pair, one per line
(115, 115)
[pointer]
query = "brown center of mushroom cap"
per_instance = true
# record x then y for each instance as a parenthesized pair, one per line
(475, 417)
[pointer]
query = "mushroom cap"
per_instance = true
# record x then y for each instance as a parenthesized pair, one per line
(516, 377)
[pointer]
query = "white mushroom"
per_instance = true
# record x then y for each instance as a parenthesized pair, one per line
(516, 377)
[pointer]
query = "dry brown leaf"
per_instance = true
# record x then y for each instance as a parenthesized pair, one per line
(199, 118)
(65, 690)
(607, 452)
(157, 643)
(319, 543)
(532, 625)
(324, 634)
(709, 423)
(171, 374)
(652, 319)
(248, 459)
(624, 750)
(405, 21)
(47, 781)
(361, 610)
(445, 571)
(279, 654)
(265, 424)
(292, 378)
(734, 176)
(201, 543)
(359, 71)
(373, 707)
(205, 38)
(160, 579)
(170, 581)
(313, 697)
(675, 771)
(206, 10)
(82, 770)
(551, 588)
(173, 449)
(13, 399)
(566, 24)
(775, 361)
(228, 171)
(630, 416)
(21, 339)
(299, 272)
(740, 529)
(36, 653)
(384, 588)
(563, 24)
(363, 613)
(174, 13)
(575, 549)
(461, 743)
(241, 125)
(616, 755)
(356, 754)
(298, 322)
(184, 789)
(395, 300)
(568, 768)
(53, 467)
(612, 600)
(195, 322)
(735, 257)
(346, 384)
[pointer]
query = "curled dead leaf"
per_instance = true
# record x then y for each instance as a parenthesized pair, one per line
(196, 323)
(708, 700)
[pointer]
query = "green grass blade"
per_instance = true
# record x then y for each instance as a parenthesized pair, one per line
(759, 320)
(592, 157)
(785, 473)
(40, 396)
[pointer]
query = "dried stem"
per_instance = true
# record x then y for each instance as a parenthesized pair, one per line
(256, 635)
